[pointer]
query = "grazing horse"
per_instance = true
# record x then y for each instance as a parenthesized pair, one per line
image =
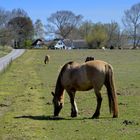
(47, 59)
(89, 58)
(83, 77)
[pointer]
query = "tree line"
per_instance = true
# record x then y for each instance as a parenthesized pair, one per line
(18, 30)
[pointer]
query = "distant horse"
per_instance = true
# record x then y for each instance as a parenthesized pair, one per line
(83, 77)
(47, 59)
(89, 58)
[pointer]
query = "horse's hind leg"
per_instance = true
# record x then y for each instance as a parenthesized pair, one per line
(74, 110)
(99, 101)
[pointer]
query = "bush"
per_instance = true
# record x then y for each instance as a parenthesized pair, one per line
(27, 44)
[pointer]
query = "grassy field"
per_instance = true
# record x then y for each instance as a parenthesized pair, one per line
(26, 101)
(4, 50)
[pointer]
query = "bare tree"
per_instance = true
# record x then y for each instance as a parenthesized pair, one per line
(75, 34)
(18, 13)
(63, 22)
(131, 21)
(4, 33)
(2, 18)
(39, 29)
(113, 33)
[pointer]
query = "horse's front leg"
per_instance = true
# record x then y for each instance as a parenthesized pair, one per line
(74, 109)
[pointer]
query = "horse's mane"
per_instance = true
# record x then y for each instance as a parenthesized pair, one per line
(64, 68)
(59, 87)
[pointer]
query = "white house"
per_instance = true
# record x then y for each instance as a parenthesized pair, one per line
(70, 44)
(60, 45)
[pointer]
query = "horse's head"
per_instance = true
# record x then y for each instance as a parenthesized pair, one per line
(57, 105)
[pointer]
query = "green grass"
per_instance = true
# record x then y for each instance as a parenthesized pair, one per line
(26, 100)
(4, 50)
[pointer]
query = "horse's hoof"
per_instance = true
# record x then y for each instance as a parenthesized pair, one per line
(115, 116)
(73, 115)
(95, 116)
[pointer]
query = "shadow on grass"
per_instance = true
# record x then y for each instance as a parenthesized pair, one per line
(47, 118)
(43, 117)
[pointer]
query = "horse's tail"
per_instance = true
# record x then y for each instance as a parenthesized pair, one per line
(112, 96)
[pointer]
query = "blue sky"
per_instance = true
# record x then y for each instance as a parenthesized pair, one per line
(103, 11)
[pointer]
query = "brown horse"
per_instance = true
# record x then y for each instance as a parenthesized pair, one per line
(47, 59)
(82, 77)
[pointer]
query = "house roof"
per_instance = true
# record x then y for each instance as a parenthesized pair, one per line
(40, 41)
(68, 42)
(81, 44)
(75, 43)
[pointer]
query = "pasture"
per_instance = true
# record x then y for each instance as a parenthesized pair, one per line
(4, 50)
(26, 101)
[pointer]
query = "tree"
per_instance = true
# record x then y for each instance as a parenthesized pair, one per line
(131, 21)
(2, 18)
(6, 16)
(75, 34)
(63, 22)
(97, 37)
(113, 34)
(85, 28)
(39, 30)
(21, 29)
(18, 13)
(4, 33)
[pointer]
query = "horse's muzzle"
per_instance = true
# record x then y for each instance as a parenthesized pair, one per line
(57, 111)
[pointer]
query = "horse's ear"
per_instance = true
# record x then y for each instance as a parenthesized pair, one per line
(52, 93)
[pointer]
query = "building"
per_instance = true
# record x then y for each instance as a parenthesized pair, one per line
(70, 44)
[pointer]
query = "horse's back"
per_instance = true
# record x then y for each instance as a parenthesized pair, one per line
(96, 63)
(84, 76)
(96, 72)
(74, 77)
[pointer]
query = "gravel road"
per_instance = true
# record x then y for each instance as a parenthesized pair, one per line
(4, 61)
